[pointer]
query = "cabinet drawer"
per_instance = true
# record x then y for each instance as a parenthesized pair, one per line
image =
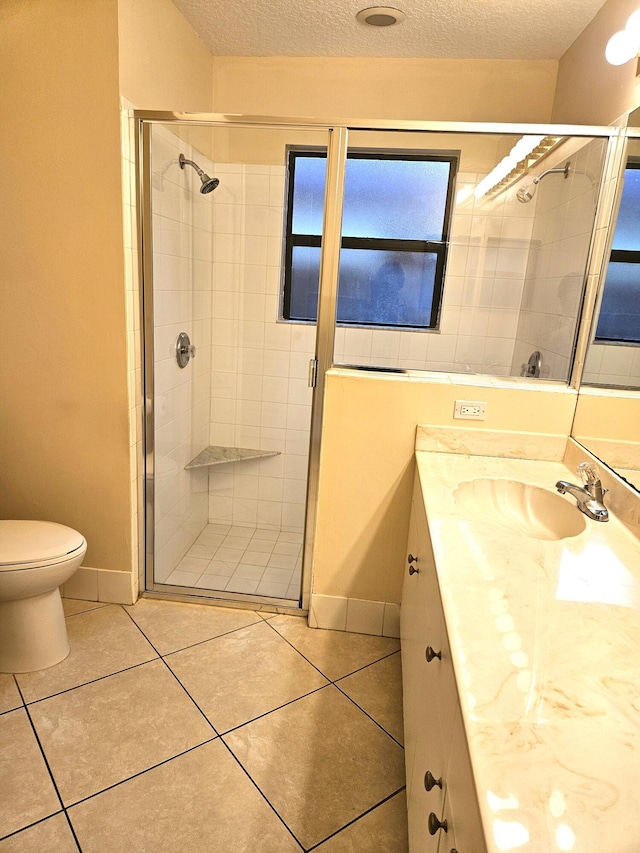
(461, 809)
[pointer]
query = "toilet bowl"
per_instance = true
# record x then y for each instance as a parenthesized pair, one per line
(36, 558)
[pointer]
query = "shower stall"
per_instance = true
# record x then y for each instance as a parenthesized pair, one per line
(234, 377)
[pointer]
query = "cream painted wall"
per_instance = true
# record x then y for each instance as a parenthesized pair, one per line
(355, 87)
(64, 433)
(589, 90)
(367, 463)
(163, 63)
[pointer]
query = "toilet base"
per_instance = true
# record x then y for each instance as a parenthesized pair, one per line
(33, 633)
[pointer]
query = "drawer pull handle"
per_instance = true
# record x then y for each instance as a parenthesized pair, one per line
(430, 781)
(413, 570)
(411, 559)
(431, 655)
(435, 824)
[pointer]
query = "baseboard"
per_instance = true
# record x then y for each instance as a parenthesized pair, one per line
(89, 584)
(338, 613)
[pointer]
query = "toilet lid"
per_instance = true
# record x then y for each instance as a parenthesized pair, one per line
(36, 543)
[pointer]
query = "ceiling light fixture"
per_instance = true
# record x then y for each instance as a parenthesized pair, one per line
(380, 16)
(524, 154)
(624, 45)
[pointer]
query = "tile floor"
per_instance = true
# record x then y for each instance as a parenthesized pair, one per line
(186, 727)
(243, 559)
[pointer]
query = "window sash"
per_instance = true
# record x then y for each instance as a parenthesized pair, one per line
(435, 247)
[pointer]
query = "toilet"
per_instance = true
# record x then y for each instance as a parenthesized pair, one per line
(36, 558)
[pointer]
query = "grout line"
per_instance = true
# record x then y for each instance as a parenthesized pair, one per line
(73, 832)
(30, 825)
(273, 710)
(255, 785)
(91, 681)
(356, 819)
(367, 714)
(44, 757)
(141, 773)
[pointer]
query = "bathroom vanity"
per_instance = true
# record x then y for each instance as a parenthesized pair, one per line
(520, 627)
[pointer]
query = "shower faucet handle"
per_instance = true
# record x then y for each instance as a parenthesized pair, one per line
(185, 350)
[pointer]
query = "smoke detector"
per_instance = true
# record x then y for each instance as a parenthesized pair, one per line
(380, 16)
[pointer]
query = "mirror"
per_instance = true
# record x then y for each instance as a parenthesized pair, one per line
(607, 418)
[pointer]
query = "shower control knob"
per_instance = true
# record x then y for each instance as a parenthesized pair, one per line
(434, 824)
(185, 350)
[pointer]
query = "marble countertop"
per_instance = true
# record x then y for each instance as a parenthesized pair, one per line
(545, 641)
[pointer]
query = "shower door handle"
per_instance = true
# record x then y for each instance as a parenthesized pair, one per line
(313, 372)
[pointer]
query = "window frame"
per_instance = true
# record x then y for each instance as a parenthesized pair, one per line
(625, 256)
(439, 248)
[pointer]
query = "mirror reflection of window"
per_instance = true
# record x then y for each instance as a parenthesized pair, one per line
(619, 317)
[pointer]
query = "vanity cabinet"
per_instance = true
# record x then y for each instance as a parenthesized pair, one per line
(440, 786)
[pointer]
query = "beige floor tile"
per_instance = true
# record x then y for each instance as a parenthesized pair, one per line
(201, 802)
(335, 653)
(9, 693)
(102, 641)
(72, 606)
(172, 625)
(384, 830)
(106, 731)
(50, 836)
(26, 790)
(242, 675)
(377, 689)
(320, 762)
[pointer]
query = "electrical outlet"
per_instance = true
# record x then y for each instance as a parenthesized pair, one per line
(470, 409)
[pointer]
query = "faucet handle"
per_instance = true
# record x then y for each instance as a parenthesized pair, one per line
(588, 472)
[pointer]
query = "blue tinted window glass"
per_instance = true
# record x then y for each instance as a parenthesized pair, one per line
(619, 318)
(398, 199)
(305, 275)
(386, 288)
(308, 195)
(627, 233)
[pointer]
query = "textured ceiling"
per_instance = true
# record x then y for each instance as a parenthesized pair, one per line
(456, 29)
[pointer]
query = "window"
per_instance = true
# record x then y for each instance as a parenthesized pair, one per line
(394, 237)
(619, 318)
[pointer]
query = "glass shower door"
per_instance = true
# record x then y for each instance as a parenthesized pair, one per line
(228, 425)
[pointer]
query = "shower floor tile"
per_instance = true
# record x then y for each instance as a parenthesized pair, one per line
(247, 560)
(133, 738)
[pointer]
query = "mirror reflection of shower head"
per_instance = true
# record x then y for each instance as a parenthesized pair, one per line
(208, 184)
(525, 194)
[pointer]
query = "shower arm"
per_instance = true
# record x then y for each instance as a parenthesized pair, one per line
(566, 169)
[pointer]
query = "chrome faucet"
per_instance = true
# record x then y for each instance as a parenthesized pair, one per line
(590, 497)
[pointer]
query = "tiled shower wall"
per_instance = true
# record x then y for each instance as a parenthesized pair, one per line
(182, 254)
(555, 275)
(611, 364)
(260, 397)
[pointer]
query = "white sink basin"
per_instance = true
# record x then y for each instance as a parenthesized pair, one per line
(520, 508)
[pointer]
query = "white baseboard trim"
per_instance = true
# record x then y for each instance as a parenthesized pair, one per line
(338, 613)
(112, 587)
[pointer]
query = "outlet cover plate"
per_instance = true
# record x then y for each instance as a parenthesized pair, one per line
(475, 410)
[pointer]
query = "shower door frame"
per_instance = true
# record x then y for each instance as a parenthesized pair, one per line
(324, 341)
(338, 134)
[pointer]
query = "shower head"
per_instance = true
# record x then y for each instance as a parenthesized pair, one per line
(525, 194)
(208, 184)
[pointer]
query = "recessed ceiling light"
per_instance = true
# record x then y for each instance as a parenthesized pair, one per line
(380, 16)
